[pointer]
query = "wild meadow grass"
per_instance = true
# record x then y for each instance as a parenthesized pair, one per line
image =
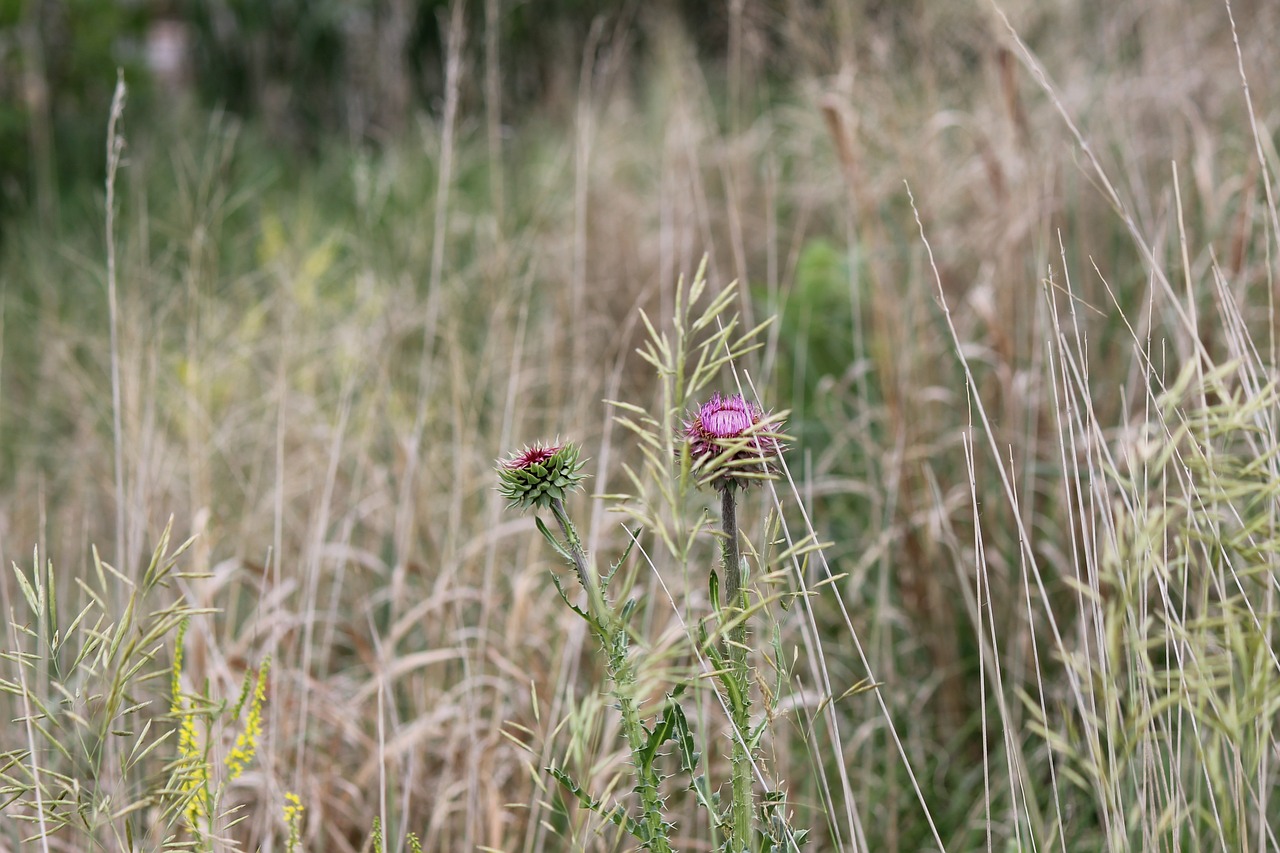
(1012, 585)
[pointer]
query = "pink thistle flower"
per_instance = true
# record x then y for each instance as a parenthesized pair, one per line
(732, 441)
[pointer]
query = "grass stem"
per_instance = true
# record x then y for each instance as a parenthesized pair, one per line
(115, 145)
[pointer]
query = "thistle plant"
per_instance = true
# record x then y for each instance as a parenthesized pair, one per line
(725, 443)
(541, 476)
(731, 442)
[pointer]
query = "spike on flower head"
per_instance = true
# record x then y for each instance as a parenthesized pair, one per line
(539, 474)
(537, 454)
(733, 439)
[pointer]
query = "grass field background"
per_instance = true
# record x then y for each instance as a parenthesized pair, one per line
(1023, 275)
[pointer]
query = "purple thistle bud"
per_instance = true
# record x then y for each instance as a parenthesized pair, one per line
(732, 441)
(539, 474)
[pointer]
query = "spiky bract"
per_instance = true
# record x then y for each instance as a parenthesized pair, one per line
(539, 474)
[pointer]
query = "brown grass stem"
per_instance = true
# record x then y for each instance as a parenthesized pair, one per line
(115, 148)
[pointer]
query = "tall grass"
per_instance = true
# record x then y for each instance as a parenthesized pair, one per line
(1038, 445)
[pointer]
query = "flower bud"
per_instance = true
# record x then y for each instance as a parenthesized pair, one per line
(539, 474)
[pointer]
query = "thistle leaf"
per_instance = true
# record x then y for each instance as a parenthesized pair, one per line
(564, 596)
(552, 540)
(616, 815)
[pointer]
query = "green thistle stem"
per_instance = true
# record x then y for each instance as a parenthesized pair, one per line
(732, 556)
(624, 679)
(739, 709)
(597, 607)
(613, 636)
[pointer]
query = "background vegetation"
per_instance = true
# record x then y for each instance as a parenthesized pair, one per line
(364, 249)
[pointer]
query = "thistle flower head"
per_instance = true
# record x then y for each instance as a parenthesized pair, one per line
(732, 441)
(539, 474)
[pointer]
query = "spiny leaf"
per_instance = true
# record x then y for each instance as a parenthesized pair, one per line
(664, 731)
(553, 541)
(575, 608)
(632, 536)
(616, 815)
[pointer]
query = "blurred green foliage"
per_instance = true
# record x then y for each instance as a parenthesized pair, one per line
(58, 64)
(816, 324)
(309, 69)
(286, 55)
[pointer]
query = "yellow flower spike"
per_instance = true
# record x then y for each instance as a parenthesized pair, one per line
(175, 681)
(195, 782)
(247, 741)
(293, 809)
(195, 776)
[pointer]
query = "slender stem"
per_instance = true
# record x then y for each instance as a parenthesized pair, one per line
(732, 556)
(740, 707)
(115, 146)
(613, 635)
(586, 576)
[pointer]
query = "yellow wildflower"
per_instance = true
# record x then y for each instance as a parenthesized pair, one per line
(293, 809)
(194, 783)
(247, 741)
